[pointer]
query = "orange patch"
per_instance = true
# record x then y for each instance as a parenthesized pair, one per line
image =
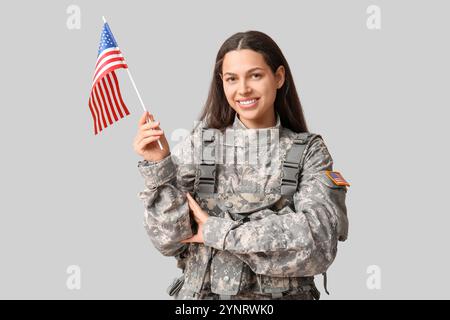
(337, 178)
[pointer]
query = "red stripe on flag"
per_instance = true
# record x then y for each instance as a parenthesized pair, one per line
(104, 103)
(99, 125)
(101, 58)
(114, 94)
(93, 117)
(111, 69)
(106, 62)
(111, 106)
(97, 100)
(120, 96)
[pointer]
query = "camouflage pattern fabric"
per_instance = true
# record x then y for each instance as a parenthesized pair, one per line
(259, 243)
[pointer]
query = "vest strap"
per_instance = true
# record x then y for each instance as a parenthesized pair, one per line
(207, 179)
(292, 165)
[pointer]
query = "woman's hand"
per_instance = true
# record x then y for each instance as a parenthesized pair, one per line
(145, 143)
(200, 216)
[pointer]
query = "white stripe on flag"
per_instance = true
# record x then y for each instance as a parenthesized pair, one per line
(105, 52)
(115, 63)
(108, 58)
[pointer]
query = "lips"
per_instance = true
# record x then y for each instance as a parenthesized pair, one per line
(247, 103)
(248, 99)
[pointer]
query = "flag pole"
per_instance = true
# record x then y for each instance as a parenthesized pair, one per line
(137, 92)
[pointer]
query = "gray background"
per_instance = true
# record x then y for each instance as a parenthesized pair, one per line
(378, 97)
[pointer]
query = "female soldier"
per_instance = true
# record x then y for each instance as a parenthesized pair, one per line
(258, 230)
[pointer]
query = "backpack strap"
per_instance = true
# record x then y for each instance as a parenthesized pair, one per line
(207, 179)
(293, 163)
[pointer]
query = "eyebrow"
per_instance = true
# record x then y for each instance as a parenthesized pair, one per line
(248, 71)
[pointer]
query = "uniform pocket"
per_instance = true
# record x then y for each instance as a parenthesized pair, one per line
(271, 285)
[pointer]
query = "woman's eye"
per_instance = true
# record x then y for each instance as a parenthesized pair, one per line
(256, 75)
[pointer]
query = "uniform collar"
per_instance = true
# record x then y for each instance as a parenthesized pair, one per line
(237, 124)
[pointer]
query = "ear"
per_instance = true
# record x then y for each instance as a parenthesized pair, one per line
(280, 76)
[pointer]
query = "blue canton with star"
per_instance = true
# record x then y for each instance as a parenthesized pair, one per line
(106, 39)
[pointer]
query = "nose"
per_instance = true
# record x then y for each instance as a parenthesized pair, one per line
(244, 89)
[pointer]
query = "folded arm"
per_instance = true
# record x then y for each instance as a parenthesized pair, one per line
(166, 216)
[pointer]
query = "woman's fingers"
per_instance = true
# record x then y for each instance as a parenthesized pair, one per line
(150, 125)
(189, 203)
(146, 141)
(192, 201)
(143, 119)
(147, 137)
(144, 137)
(189, 200)
(149, 133)
(196, 210)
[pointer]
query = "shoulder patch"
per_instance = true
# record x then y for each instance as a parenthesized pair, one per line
(337, 178)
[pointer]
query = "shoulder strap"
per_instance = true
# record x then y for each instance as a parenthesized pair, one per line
(207, 179)
(293, 163)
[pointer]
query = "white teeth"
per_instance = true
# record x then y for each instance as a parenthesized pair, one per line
(248, 101)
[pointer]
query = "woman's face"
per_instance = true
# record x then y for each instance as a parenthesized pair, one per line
(251, 87)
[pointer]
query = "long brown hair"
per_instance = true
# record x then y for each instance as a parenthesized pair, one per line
(216, 111)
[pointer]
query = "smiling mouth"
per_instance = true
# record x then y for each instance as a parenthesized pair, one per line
(248, 103)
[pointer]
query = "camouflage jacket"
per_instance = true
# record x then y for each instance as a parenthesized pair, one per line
(275, 219)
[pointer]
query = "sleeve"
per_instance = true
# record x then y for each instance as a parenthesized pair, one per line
(166, 216)
(296, 244)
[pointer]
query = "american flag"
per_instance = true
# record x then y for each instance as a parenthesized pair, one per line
(337, 178)
(105, 102)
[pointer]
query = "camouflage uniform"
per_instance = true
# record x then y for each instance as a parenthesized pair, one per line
(273, 225)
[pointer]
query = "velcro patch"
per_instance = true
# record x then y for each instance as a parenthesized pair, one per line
(337, 178)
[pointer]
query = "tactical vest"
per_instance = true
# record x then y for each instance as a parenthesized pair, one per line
(226, 270)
